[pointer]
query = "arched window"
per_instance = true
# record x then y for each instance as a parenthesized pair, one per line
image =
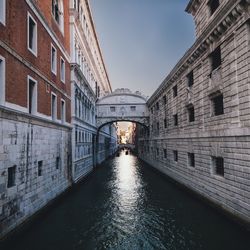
(57, 11)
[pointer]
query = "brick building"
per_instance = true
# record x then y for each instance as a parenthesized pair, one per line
(47, 50)
(200, 129)
(35, 111)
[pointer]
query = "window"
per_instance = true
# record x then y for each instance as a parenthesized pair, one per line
(11, 176)
(215, 58)
(157, 106)
(165, 153)
(152, 110)
(53, 59)
(32, 35)
(57, 12)
(32, 95)
(157, 151)
(158, 126)
(190, 78)
(164, 100)
(217, 105)
(213, 5)
(175, 120)
(133, 108)
(2, 80)
(175, 91)
(191, 117)
(112, 109)
(191, 160)
(165, 123)
(175, 155)
(58, 162)
(40, 168)
(53, 107)
(62, 70)
(218, 165)
(63, 111)
(2, 11)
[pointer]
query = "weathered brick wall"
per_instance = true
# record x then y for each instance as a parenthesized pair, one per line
(20, 62)
(24, 142)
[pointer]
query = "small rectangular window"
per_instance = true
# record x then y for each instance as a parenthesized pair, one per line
(2, 11)
(53, 107)
(112, 109)
(165, 153)
(218, 165)
(53, 59)
(32, 34)
(191, 116)
(32, 95)
(63, 111)
(190, 78)
(152, 110)
(175, 91)
(40, 168)
(175, 155)
(11, 176)
(213, 5)
(218, 105)
(133, 108)
(58, 162)
(175, 119)
(164, 100)
(62, 70)
(165, 123)
(215, 58)
(191, 160)
(157, 106)
(157, 151)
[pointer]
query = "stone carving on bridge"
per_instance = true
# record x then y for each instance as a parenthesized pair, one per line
(122, 105)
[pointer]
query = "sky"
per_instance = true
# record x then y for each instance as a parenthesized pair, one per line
(142, 40)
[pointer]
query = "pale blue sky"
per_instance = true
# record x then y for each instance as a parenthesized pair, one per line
(142, 40)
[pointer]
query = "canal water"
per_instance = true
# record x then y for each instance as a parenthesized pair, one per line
(124, 204)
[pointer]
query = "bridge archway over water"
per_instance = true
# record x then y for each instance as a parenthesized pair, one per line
(122, 105)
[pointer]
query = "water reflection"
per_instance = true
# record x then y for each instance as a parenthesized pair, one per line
(126, 205)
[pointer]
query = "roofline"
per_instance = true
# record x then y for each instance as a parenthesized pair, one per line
(188, 54)
(190, 4)
(97, 41)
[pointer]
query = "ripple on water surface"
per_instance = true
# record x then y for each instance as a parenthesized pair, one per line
(126, 205)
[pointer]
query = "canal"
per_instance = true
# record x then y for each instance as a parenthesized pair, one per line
(124, 204)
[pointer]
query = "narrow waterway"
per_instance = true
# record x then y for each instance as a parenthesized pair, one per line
(127, 205)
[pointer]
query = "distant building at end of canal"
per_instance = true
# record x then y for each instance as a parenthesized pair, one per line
(51, 74)
(200, 114)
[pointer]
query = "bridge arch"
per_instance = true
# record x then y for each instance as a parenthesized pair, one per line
(122, 105)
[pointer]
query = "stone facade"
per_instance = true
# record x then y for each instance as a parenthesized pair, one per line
(89, 81)
(199, 116)
(122, 105)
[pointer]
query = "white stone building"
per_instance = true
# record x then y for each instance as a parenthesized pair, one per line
(89, 81)
(200, 114)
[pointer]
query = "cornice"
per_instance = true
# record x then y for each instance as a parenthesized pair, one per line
(228, 16)
(97, 42)
(192, 6)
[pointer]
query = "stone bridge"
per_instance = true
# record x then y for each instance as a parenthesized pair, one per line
(122, 105)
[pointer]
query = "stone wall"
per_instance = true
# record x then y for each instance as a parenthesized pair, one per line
(188, 151)
(40, 152)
